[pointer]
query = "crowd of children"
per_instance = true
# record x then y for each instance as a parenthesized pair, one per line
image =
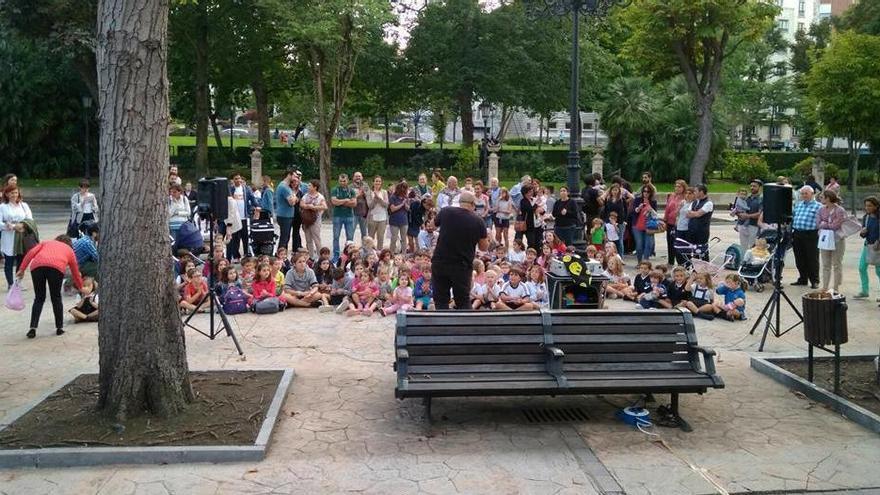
(366, 281)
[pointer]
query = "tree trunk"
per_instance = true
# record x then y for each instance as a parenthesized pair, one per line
(261, 95)
(141, 344)
(325, 144)
(200, 68)
(467, 118)
(218, 140)
(387, 135)
(704, 142)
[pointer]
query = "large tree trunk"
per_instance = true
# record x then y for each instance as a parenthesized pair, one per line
(261, 95)
(467, 118)
(141, 345)
(200, 68)
(704, 142)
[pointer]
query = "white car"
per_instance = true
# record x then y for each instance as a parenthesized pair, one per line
(237, 132)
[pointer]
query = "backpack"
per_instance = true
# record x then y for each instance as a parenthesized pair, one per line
(267, 306)
(235, 301)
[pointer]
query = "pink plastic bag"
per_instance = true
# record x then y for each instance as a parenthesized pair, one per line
(14, 301)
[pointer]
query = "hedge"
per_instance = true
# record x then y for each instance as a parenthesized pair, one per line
(787, 160)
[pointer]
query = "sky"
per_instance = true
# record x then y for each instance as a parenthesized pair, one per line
(407, 12)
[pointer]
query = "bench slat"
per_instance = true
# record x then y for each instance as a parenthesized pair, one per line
(604, 318)
(616, 357)
(639, 348)
(469, 318)
(474, 329)
(478, 377)
(478, 368)
(670, 376)
(475, 339)
(434, 359)
(548, 385)
(618, 337)
(622, 327)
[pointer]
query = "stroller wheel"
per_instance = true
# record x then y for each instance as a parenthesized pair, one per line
(759, 288)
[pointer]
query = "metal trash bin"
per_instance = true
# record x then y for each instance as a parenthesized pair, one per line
(825, 320)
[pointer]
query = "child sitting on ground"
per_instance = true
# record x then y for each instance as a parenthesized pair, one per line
(87, 307)
(423, 292)
(281, 255)
(618, 281)
(537, 286)
(194, 290)
(517, 253)
(364, 295)
(248, 272)
(340, 290)
(641, 282)
(301, 286)
(734, 306)
(678, 289)
(657, 296)
(277, 275)
(264, 284)
(514, 294)
(402, 297)
(701, 297)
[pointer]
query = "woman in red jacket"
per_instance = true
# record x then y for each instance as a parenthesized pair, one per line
(48, 260)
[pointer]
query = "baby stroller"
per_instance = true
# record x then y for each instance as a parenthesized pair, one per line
(697, 259)
(756, 272)
(262, 233)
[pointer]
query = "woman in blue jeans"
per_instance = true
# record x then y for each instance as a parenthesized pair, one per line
(644, 207)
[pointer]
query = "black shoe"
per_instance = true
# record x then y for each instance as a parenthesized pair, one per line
(705, 316)
(32, 333)
(799, 282)
(59, 331)
(814, 286)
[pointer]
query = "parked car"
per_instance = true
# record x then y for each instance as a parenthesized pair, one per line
(237, 132)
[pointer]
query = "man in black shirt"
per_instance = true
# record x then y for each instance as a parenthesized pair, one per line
(461, 230)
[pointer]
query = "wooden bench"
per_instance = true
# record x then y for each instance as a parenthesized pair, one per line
(551, 352)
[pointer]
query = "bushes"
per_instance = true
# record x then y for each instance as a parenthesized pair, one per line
(745, 166)
(805, 167)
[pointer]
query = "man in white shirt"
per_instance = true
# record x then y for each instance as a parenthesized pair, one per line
(449, 195)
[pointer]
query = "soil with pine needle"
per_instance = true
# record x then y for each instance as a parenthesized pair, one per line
(857, 379)
(228, 409)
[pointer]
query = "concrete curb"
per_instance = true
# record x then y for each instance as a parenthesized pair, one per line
(99, 456)
(852, 411)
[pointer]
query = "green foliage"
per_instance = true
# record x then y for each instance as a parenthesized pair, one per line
(427, 161)
(551, 174)
(517, 164)
(864, 178)
(373, 165)
(466, 161)
(804, 168)
(41, 117)
(745, 166)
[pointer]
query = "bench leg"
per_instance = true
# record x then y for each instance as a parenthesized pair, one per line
(427, 403)
(682, 423)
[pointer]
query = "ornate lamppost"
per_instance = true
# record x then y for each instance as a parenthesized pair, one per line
(485, 111)
(576, 8)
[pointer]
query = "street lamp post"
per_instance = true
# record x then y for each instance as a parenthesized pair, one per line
(485, 111)
(576, 8)
(87, 107)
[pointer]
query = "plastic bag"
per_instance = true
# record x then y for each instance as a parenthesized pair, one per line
(826, 240)
(14, 300)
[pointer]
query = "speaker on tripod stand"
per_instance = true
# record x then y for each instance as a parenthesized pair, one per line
(213, 206)
(777, 209)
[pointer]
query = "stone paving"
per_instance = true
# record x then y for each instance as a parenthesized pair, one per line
(342, 430)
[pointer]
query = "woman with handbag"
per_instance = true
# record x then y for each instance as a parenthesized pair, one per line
(646, 223)
(48, 261)
(871, 250)
(312, 207)
(525, 221)
(13, 212)
(831, 244)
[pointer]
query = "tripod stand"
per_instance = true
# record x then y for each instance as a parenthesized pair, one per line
(772, 309)
(213, 300)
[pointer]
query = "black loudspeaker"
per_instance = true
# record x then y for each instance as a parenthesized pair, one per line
(213, 197)
(777, 203)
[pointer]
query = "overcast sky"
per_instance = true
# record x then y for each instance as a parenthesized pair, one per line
(407, 13)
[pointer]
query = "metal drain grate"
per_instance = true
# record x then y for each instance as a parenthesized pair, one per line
(564, 415)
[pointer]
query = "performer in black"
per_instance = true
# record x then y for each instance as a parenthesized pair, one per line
(461, 230)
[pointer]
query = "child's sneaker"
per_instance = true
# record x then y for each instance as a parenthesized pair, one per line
(325, 308)
(341, 307)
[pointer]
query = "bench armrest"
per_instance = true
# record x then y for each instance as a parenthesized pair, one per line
(554, 363)
(707, 357)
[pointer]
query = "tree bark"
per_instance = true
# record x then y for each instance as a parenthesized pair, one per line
(853, 171)
(141, 344)
(218, 140)
(261, 95)
(200, 68)
(704, 142)
(467, 117)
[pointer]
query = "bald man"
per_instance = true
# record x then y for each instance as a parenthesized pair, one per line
(805, 237)
(461, 231)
